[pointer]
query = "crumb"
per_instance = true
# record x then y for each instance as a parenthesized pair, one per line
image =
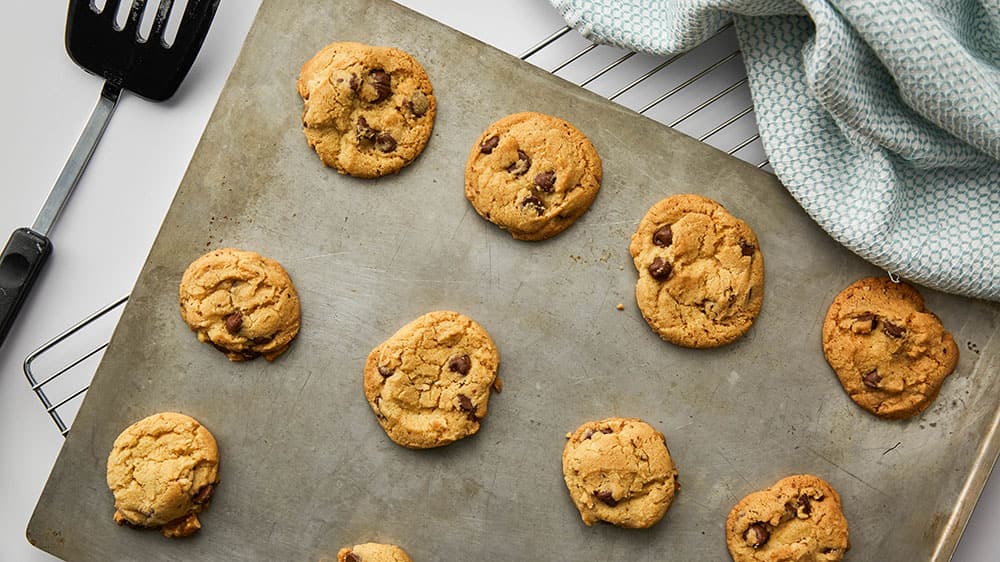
(620, 306)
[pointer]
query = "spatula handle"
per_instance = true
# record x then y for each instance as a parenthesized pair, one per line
(20, 264)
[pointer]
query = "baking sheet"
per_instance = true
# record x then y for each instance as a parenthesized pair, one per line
(305, 467)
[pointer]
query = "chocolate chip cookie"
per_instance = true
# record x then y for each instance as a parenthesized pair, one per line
(373, 552)
(618, 470)
(241, 302)
(162, 471)
(889, 352)
(701, 272)
(532, 175)
(429, 384)
(368, 111)
(799, 518)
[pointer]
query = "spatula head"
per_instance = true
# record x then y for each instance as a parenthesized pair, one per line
(148, 67)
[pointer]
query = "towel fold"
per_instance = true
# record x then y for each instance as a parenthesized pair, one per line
(881, 117)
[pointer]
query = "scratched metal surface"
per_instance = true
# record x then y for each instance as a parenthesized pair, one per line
(305, 467)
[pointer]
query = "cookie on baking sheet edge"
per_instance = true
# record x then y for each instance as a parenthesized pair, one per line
(619, 470)
(162, 471)
(798, 518)
(367, 110)
(532, 174)
(242, 303)
(429, 383)
(701, 272)
(889, 352)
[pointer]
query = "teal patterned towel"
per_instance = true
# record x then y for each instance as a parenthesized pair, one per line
(881, 117)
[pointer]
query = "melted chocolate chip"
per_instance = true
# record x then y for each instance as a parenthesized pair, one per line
(607, 430)
(203, 494)
(419, 104)
(804, 504)
(660, 269)
(757, 535)
(746, 248)
(385, 142)
(872, 378)
(663, 236)
(385, 371)
(546, 181)
(535, 203)
(351, 557)
(355, 83)
(606, 497)
(460, 364)
(520, 167)
(489, 144)
(234, 322)
(465, 404)
(382, 84)
(868, 317)
(892, 330)
(365, 132)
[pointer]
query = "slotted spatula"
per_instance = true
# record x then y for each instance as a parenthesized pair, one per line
(148, 67)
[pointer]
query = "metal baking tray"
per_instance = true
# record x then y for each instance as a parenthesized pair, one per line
(306, 468)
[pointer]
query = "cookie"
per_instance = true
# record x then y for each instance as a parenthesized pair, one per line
(429, 384)
(367, 111)
(890, 354)
(701, 272)
(799, 518)
(619, 470)
(373, 552)
(532, 175)
(241, 302)
(162, 471)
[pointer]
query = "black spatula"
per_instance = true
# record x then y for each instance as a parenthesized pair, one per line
(148, 67)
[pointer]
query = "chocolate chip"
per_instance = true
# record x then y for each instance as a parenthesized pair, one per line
(892, 330)
(535, 203)
(868, 317)
(234, 322)
(460, 364)
(465, 404)
(385, 142)
(587, 434)
(355, 84)
(804, 505)
(365, 132)
(546, 181)
(261, 340)
(351, 557)
(607, 430)
(607, 497)
(872, 378)
(663, 236)
(382, 84)
(660, 269)
(489, 144)
(756, 535)
(385, 371)
(520, 167)
(746, 248)
(419, 104)
(202, 495)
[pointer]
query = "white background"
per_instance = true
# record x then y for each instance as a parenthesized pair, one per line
(102, 238)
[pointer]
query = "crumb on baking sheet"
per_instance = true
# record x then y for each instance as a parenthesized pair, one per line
(620, 306)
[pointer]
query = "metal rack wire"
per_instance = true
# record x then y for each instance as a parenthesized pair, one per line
(710, 109)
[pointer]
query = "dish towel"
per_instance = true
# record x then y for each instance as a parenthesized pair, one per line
(881, 117)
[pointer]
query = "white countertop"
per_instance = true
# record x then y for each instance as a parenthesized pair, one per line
(106, 230)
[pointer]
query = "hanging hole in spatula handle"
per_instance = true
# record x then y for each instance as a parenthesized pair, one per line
(20, 264)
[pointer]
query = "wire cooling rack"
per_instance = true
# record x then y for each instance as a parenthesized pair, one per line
(702, 93)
